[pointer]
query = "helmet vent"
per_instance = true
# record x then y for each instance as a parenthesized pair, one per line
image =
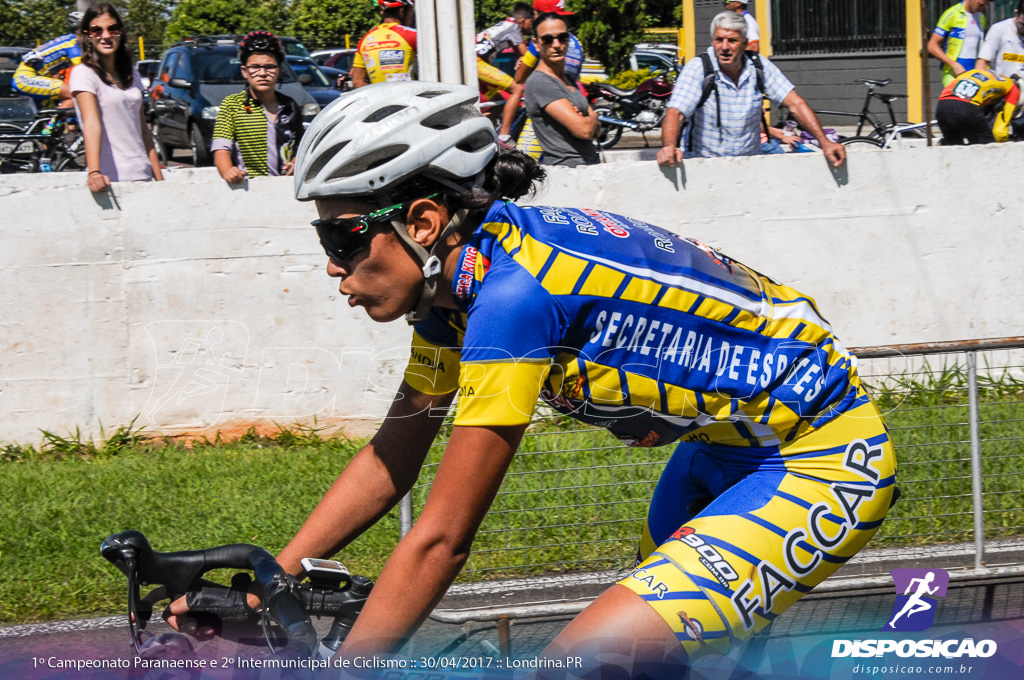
(323, 159)
(382, 113)
(371, 160)
(442, 120)
(430, 94)
(476, 141)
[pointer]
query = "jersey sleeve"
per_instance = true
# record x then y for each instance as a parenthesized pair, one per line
(945, 22)
(512, 335)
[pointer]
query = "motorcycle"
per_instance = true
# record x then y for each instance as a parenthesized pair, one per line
(640, 110)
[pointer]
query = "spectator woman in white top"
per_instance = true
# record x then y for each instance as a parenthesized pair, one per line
(108, 97)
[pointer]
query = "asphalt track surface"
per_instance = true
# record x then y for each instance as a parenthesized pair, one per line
(799, 645)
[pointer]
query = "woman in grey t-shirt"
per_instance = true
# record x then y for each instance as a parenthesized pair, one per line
(563, 119)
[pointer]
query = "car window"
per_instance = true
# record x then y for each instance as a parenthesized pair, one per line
(294, 48)
(168, 64)
(217, 67)
(342, 60)
(319, 79)
(182, 68)
(652, 61)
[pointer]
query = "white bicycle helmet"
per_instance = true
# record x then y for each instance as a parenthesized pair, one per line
(370, 140)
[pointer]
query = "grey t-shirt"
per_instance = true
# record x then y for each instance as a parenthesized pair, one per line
(559, 145)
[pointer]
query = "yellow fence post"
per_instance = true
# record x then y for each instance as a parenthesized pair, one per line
(688, 39)
(915, 62)
(142, 48)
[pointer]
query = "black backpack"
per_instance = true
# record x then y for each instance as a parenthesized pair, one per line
(709, 85)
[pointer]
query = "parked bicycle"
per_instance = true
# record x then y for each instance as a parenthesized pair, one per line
(880, 128)
(52, 142)
(330, 591)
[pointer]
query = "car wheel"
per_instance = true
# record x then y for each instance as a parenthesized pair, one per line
(200, 148)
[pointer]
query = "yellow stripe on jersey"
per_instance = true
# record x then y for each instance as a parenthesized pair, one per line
(641, 290)
(605, 385)
(532, 254)
(643, 391)
(432, 369)
(677, 298)
(499, 393)
(563, 274)
(602, 282)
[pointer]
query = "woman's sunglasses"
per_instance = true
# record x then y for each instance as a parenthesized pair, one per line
(97, 31)
(343, 237)
(549, 38)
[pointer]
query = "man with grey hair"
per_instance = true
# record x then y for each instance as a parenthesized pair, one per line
(726, 116)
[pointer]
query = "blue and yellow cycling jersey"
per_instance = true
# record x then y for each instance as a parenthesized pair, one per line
(40, 72)
(623, 324)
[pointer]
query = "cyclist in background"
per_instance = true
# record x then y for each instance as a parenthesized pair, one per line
(957, 38)
(387, 53)
(493, 41)
(43, 72)
(978, 107)
(785, 469)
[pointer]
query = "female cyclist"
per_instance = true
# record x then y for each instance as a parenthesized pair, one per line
(785, 470)
(108, 96)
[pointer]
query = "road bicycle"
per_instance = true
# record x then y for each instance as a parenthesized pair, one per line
(892, 137)
(880, 129)
(284, 618)
(52, 142)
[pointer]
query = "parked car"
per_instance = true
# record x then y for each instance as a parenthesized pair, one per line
(15, 108)
(319, 81)
(194, 76)
(335, 57)
(147, 69)
(293, 48)
(655, 60)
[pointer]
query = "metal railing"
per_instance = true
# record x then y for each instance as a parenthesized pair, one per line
(573, 503)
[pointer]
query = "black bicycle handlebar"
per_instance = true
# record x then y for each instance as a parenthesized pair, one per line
(287, 601)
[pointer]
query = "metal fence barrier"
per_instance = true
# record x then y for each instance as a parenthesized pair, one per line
(573, 503)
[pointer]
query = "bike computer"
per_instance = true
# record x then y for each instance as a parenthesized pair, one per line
(324, 572)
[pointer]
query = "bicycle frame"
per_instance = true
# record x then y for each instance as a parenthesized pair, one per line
(866, 115)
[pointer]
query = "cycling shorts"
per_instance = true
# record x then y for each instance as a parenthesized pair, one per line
(492, 79)
(732, 540)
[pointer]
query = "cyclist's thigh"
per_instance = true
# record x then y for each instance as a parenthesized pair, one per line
(772, 536)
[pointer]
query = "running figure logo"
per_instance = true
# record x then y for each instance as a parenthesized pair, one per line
(917, 592)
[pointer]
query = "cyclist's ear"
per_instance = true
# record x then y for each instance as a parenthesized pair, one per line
(426, 220)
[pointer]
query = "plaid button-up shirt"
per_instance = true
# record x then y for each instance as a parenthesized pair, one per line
(740, 133)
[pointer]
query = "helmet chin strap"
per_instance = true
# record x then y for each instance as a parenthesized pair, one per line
(431, 263)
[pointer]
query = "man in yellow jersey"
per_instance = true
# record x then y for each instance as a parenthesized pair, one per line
(387, 53)
(966, 107)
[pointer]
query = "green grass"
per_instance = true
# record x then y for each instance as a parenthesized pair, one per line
(574, 498)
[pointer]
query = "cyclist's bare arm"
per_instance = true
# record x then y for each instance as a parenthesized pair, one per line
(372, 483)
(374, 480)
(935, 49)
(431, 555)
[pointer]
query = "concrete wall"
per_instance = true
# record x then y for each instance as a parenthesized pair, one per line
(192, 305)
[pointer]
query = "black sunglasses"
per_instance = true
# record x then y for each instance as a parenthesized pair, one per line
(549, 38)
(343, 237)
